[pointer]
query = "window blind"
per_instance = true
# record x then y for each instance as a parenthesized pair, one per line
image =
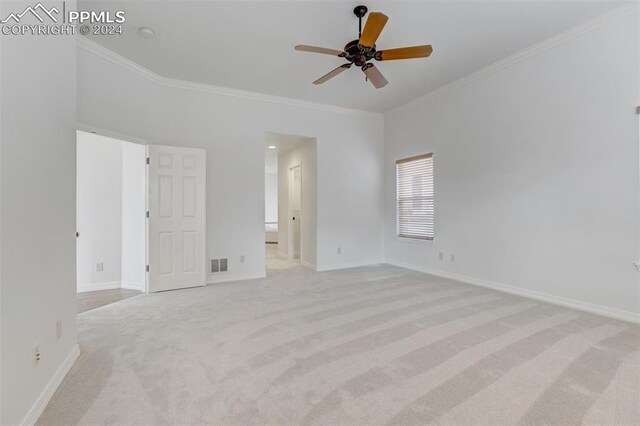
(414, 196)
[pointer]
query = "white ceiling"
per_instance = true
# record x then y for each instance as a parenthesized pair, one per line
(248, 45)
(283, 143)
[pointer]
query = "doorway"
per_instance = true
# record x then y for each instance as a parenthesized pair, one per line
(290, 199)
(110, 222)
(140, 215)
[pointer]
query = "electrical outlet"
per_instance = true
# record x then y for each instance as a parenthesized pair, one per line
(58, 329)
(99, 267)
(35, 356)
(441, 256)
(453, 257)
(242, 258)
(339, 250)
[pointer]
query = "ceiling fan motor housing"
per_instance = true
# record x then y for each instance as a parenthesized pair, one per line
(357, 54)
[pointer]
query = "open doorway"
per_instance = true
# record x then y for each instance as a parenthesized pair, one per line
(290, 202)
(110, 220)
(140, 212)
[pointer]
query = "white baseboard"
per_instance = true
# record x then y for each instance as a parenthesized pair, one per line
(347, 265)
(223, 278)
(82, 288)
(44, 398)
(308, 265)
(131, 285)
(531, 294)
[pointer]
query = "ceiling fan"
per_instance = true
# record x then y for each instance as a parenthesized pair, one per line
(363, 50)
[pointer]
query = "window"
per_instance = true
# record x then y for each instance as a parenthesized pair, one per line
(414, 197)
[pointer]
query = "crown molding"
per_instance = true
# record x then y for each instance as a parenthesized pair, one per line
(100, 51)
(536, 49)
(272, 99)
(110, 56)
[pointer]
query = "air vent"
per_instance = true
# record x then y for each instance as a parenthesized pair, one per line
(218, 265)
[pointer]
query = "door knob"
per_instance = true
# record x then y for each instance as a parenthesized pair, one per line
(77, 234)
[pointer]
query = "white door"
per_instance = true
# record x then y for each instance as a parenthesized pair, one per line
(176, 206)
(295, 188)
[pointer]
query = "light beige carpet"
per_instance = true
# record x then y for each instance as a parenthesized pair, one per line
(94, 299)
(365, 346)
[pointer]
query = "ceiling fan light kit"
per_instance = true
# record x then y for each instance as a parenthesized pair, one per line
(362, 50)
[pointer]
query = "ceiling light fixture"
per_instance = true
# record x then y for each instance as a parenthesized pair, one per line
(146, 32)
(272, 147)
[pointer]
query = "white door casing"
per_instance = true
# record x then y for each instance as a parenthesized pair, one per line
(176, 226)
(295, 210)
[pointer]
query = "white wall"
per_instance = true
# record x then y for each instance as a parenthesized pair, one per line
(305, 157)
(271, 197)
(110, 213)
(133, 220)
(99, 211)
(536, 173)
(231, 126)
(37, 125)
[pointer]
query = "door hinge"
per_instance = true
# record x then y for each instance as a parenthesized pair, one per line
(147, 160)
(147, 214)
(147, 268)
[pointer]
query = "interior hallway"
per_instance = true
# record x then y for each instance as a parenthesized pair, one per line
(277, 264)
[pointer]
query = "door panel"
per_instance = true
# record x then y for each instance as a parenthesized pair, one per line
(166, 253)
(165, 194)
(189, 203)
(176, 205)
(190, 242)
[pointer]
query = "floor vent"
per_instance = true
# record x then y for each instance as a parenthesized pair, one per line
(218, 265)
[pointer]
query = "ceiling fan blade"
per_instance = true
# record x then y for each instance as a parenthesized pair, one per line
(332, 73)
(372, 29)
(374, 74)
(404, 53)
(315, 49)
